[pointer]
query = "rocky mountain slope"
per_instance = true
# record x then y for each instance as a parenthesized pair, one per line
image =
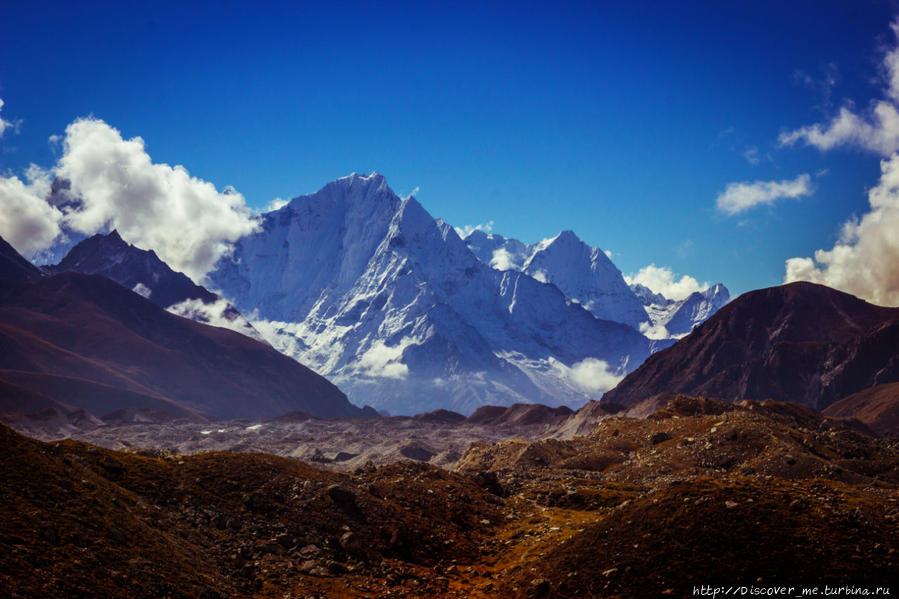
(369, 290)
(144, 273)
(702, 492)
(86, 341)
(876, 407)
(800, 342)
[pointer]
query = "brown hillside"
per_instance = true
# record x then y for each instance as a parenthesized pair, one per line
(877, 407)
(800, 342)
(88, 327)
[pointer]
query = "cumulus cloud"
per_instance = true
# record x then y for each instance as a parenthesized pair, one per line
(27, 221)
(660, 279)
(739, 197)
(465, 231)
(186, 220)
(864, 259)
(590, 375)
(154, 206)
(877, 130)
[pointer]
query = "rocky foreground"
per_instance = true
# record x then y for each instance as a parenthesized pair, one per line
(698, 493)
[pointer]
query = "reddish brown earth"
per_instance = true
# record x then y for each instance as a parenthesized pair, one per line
(89, 328)
(701, 492)
(799, 342)
(877, 408)
(523, 414)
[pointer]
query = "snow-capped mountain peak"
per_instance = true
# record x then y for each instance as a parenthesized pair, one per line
(584, 274)
(370, 290)
(674, 319)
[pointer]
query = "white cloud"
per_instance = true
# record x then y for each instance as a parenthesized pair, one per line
(184, 219)
(864, 260)
(503, 260)
(589, 375)
(286, 337)
(880, 134)
(154, 206)
(383, 361)
(467, 229)
(660, 279)
(751, 154)
(142, 290)
(218, 314)
(275, 204)
(877, 131)
(4, 125)
(654, 331)
(608, 253)
(739, 197)
(541, 276)
(27, 221)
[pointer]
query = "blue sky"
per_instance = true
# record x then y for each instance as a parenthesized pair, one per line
(623, 123)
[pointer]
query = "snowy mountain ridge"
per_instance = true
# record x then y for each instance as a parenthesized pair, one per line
(675, 319)
(396, 308)
(587, 275)
(583, 273)
(392, 305)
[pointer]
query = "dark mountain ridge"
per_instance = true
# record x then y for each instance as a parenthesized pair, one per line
(109, 255)
(800, 342)
(143, 272)
(96, 332)
(14, 266)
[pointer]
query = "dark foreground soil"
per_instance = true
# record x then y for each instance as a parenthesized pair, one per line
(700, 493)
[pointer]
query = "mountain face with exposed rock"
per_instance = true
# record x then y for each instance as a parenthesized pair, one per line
(143, 272)
(369, 290)
(801, 342)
